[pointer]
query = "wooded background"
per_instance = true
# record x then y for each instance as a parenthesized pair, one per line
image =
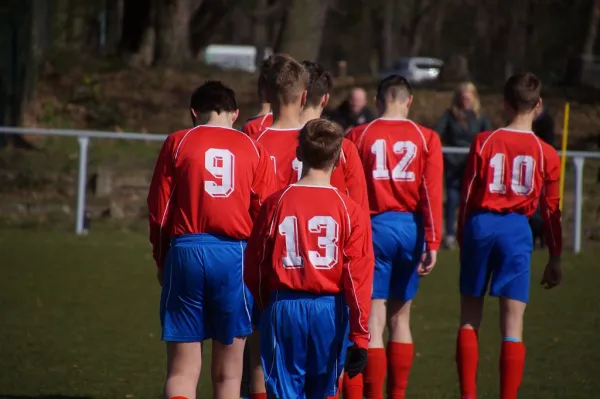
(495, 37)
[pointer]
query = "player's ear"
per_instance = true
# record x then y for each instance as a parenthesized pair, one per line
(325, 101)
(234, 116)
(303, 98)
(194, 116)
(409, 101)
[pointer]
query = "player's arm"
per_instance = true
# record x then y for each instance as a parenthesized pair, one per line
(550, 200)
(159, 201)
(431, 193)
(258, 255)
(468, 184)
(265, 181)
(359, 264)
(354, 176)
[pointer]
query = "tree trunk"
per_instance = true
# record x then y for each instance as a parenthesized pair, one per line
(172, 44)
(260, 33)
(592, 30)
(114, 24)
(387, 32)
(303, 31)
(516, 40)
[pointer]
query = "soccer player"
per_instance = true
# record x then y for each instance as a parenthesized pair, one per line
(509, 171)
(306, 262)
(348, 176)
(403, 166)
(208, 185)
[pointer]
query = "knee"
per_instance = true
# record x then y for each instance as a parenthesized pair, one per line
(399, 320)
(377, 318)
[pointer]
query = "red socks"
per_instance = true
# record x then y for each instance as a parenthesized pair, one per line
(178, 397)
(467, 357)
(400, 357)
(353, 387)
(375, 373)
(257, 395)
(512, 363)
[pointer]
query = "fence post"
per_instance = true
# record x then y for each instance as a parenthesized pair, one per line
(577, 212)
(81, 184)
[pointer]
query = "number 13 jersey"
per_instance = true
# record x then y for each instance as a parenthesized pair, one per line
(207, 179)
(512, 171)
(313, 239)
(403, 166)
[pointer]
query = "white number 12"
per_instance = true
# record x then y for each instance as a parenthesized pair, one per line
(407, 149)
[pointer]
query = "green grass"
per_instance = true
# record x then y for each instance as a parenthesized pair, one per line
(79, 319)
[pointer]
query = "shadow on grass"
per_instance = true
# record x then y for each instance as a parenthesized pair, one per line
(43, 397)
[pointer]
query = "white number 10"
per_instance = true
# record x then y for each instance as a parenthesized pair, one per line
(521, 182)
(289, 230)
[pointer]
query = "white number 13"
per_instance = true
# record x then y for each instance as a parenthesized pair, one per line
(521, 181)
(289, 230)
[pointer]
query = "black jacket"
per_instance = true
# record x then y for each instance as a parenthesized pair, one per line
(454, 134)
(347, 119)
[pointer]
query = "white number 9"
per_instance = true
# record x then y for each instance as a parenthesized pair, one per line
(220, 163)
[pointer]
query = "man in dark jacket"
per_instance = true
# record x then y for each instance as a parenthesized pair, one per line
(353, 111)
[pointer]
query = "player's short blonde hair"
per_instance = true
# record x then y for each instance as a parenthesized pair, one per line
(460, 89)
(320, 143)
(287, 79)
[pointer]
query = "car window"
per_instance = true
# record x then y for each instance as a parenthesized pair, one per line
(401, 64)
(425, 65)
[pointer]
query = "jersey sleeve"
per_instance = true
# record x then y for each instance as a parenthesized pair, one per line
(431, 192)
(265, 181)
(469, 177)
(359, 265)
(550, 201)
(258, 254)
(354, 176)
(159, 201)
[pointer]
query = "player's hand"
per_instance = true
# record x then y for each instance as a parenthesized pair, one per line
(552, 274)
(159, 276)
(356, 360)
(428, 259)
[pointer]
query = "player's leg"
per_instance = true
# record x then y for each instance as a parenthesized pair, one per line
(230, 313)
(284, 329)
(245, 388)
(453, 192)
(475, 269)
(226, 368)
(385, 248)
(258, 389)
(183, 316)
(404, 286)
(327, 345)
(510, 282)
(184, 360)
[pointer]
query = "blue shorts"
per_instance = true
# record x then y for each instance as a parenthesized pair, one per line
(303, 344)
(203, 295)
(398, 242)
(496, 251)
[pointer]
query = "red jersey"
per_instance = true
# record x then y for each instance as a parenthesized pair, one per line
(348, 176)
(404, 169)
(207, 180)
(322, 247)
(257, 124)
(511, 171)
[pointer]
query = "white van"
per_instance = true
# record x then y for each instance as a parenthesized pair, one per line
(232, 57)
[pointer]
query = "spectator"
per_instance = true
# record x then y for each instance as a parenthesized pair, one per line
(457, 128)
(353, 111)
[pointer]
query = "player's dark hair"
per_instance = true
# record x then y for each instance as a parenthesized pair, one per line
(264, 70)
(320, 83)
(522, 92)
(286, 80)
(394, 86)
(212, 96)
(320, 143)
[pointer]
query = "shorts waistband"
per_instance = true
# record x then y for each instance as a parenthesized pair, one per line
(204, 237)
(286, 294)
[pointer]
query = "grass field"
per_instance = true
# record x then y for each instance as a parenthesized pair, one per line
(79, 319)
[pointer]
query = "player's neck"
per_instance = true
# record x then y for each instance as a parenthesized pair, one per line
(521, 122)
(310, 113)
(315, 177)
(265, 108)
(286, 117)
(221, 120)
(395, 111)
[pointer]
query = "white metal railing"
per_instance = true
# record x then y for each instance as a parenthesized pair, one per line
(84, 136)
